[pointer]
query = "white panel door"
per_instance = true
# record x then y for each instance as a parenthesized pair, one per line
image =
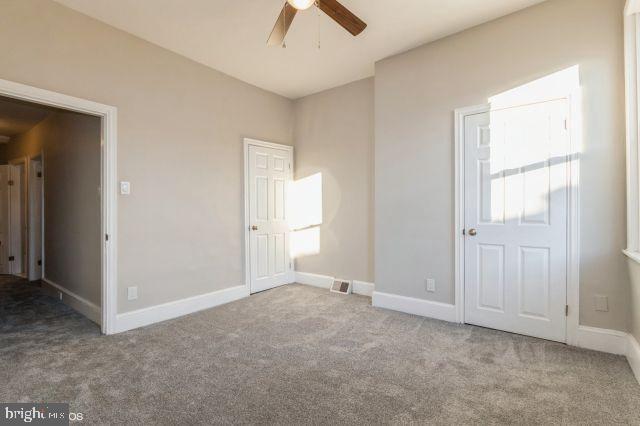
(4, 219)
(16, 222)
(516, 204)
(269, 174)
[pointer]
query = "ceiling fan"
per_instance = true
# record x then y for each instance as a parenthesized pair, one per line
(332, 8)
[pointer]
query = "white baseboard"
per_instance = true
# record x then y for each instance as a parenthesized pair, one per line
(324, 281)
(316, 280)
(597, 339)
(602, 339)
(633, 355)
(69, 298)
(364, 288)
(410, 305)
(166, 311)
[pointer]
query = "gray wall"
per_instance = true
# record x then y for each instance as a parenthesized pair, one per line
(180, 133)
(415, 95)
(334, 136)
(70, 147)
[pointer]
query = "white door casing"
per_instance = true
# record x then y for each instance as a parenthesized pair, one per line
(516, 204)
(269, 172)
(108, 186)
(4, 219)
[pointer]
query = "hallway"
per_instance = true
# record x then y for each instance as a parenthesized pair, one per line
(26, 309)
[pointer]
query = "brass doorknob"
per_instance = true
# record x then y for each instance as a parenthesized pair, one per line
(254, 228)
(473, 232)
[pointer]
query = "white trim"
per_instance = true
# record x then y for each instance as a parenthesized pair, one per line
(633, 255)
(265, 144)
(601, 339)
(573, 213)
(315, 280)
(632, 7)
(631, 141)
(364, 288)
(69, 298)
(458, 238)
(573, 217)
(324, 281)
(166, 311)
(410, 305)
(633, 355)
(108, 178)
(247, 250)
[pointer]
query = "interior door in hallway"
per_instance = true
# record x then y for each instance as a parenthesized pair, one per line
(516, 206)
(269, 173)
(4, 219)
(17, 224)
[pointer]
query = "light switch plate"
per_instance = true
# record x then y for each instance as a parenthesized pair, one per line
(125, 188)
(132, 293)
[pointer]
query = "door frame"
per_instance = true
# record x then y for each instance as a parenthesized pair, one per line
(31, 223)
(24, 212)
(247, 220)
(573, 213)
(108, 183)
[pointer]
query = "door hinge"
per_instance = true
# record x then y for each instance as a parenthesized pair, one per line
(10, 183)
(12, 258)
(566, 124)
(289, 166)
(106, 237)
(566, 310)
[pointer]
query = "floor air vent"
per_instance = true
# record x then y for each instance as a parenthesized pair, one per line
(341, 286)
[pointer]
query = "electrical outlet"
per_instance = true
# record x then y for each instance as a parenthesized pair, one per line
(132, 293)
(431, 285)
(601, 303)
(125, 188)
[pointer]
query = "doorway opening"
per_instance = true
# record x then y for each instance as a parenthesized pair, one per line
(58, 199)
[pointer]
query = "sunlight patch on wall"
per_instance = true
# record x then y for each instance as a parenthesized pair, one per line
(553, 86)
(305, 242)
(530, 145)
(305, 202)
(305, 215)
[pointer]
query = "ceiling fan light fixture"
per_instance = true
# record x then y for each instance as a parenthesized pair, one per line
(301, 4)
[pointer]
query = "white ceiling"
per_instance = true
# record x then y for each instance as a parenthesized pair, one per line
(230, 35)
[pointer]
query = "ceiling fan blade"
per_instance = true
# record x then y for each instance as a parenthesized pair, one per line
(282, 25)
(342, 16)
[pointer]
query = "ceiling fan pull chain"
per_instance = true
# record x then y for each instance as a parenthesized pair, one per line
(284, 26)
(318, 15)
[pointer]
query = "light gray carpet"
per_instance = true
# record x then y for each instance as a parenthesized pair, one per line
(300, 355)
